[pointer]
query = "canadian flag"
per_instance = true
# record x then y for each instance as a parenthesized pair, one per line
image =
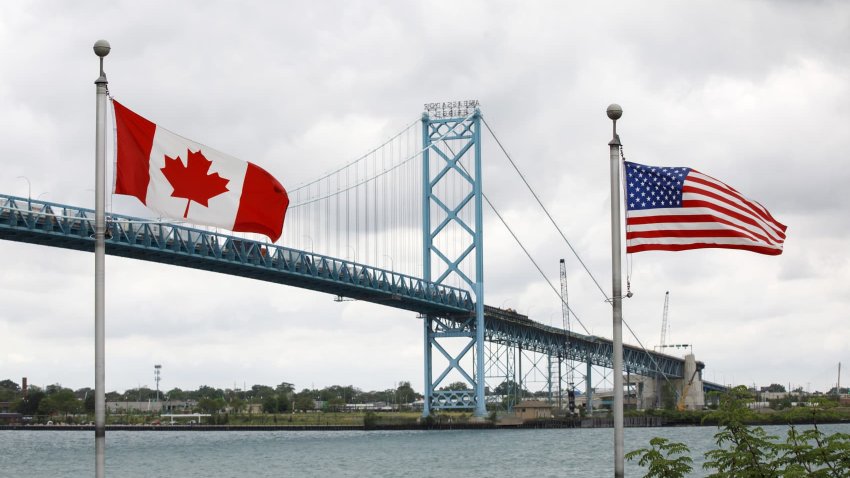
(181, 179)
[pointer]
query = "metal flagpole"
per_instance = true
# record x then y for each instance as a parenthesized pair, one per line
(615, 112)
(101, 49)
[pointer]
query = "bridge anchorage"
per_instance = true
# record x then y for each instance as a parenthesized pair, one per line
(469, 348)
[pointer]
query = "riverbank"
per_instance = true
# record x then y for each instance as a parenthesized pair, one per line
(597, 422)
(411, 420)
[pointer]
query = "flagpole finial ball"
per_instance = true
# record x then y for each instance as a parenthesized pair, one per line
(614, 111)
(101, 48)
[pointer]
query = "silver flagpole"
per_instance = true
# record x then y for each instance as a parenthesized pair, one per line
(101, 49)
(615, 112)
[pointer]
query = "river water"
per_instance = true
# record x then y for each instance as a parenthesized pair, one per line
(468, 453)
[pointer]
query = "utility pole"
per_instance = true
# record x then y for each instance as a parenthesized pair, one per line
(156, 369)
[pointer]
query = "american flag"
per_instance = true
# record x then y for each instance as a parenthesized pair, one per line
(675, 209)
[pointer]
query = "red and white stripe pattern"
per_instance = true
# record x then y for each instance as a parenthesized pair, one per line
(677, 208)
(159, 167)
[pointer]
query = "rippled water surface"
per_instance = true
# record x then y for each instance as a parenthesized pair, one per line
(519, 453)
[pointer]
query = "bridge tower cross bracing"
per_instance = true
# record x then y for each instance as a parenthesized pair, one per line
(451, 162)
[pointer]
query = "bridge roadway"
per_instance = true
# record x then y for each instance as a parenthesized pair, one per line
(69, 227)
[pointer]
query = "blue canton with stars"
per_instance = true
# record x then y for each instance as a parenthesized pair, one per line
(650, 187)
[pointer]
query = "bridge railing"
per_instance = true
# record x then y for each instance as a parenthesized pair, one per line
(48, 218)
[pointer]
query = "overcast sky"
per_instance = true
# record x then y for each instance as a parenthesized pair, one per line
(756, 94)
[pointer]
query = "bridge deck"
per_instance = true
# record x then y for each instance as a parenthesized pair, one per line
(57, 225)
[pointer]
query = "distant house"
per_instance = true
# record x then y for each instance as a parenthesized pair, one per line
(533, 410)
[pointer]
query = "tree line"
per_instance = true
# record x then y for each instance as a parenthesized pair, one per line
(282, 398)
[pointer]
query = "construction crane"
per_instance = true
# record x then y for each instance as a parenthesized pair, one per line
(663, 342)
(565, 312)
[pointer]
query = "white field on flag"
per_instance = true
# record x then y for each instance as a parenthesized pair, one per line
(712, 214)
(221, 209)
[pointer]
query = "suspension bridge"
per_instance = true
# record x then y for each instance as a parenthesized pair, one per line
(416, 200)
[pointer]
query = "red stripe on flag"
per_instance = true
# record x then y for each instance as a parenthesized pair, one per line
(769, 235)
(262, 205)
(134, 142)
(749, 214)
(684, 247)
(672, 220)
(689, 233)
(751, 206)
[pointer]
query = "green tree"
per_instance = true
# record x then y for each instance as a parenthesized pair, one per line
(285, 387)
(9, 390)
(456, 386)
(664, 459)
(61, 401)
(270, 404)
(176, 394)
(304, 401)
(405, 393)
(210, 405)
(84, 392)
(745, 451)
(742, 451)
(139, 394)
(511, 392)
(260, 392)
(88, 403)
(775, 387)
(29, 405)
(237, 404)
(336, 404)
(205, 391)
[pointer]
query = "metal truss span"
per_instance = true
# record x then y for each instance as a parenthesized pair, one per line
(69, 227)
(511, 328)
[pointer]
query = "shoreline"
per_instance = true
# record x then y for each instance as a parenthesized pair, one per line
(585, 424)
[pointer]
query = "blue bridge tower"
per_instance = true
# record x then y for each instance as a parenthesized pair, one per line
(453, 249)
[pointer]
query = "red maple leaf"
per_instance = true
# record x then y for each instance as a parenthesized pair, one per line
(192, 181)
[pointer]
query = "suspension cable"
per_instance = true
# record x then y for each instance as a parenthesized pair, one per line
(382, 173)
(352, 162)
(521, 245)
(545, 210)
(607, 299)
